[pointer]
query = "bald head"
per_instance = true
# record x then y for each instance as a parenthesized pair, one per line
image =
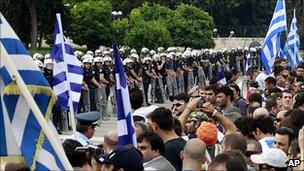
(195, 149)
(111, 140)
(260, 112)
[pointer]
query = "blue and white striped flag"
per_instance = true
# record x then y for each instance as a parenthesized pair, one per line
(125, 123)
(271, 46)
(222, 77)
(293, 44)
(67, 72)
(18, 125)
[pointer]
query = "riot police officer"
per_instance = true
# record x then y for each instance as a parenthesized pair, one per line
(147, 75)
(87, 94)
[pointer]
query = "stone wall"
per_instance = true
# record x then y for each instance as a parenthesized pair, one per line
(228, 43)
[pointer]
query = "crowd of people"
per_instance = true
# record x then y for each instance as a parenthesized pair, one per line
(210, 125)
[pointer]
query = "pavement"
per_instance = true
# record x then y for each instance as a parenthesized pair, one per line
(107, 125)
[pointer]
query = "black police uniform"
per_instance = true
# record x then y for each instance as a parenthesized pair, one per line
(146, 79)
(107, 71)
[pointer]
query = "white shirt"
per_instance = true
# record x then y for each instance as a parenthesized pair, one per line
(266, 143)
(261, 77)
(84, 141)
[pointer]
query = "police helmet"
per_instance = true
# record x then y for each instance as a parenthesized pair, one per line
(89, 56)
(160, 49)
(253, 49)
(145, 50)
(90, 52)
(48, 63)
(162, 54)
(246, 48)
(39, 63)
(87, 60)
(127, 60)
(46, 56)
(133, 51)
(147, 59)
(97, 59)
(35, 56)
(152, 52)
(187, 54)
(134, 55)
(107, 59)
(156, 57)
(98, 52)
(106, 53)
(188, 49)
(231, 32)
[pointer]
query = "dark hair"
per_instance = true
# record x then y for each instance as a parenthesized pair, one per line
(244, 125)
(287, 91)
(154, 140)
(228, 75)
(163, 118)
(294, 147)
(270, 103)
(211, 88)
(286, 131)
(236, 142)
(275, 90)
(299, 100)
(136, 98)
(213, 81)
(296, 120)
(255, 97)
(177, 126)
(277, 69)
(264, 123)
(77, 159)
(301, 65)
(256, 143)
(82, 127)
(225, 90)
(232, 160)
(271, 80)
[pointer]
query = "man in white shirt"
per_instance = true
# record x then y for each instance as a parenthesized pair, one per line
(263, 130)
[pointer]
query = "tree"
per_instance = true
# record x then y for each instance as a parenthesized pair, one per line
(150, 34)
(187, 25)
(91, 23)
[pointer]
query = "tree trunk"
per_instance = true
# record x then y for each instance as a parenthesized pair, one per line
(34, 24)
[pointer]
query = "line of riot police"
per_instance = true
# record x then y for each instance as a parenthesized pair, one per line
(159, 74)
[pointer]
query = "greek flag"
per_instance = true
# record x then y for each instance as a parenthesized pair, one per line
(21, 134)
(248, 62)
(271, 46)
(125, 124)
(293, 44)
(67, 72)
(222, 77)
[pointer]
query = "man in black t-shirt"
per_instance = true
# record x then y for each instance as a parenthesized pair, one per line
(162, 123)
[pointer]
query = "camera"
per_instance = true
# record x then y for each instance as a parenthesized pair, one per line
(93, 151)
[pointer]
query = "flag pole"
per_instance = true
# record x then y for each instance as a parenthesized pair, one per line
(72, 113)
(35, 109)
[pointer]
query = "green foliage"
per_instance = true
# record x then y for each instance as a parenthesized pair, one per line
(91, 23)
(150, 34)
(186, 26)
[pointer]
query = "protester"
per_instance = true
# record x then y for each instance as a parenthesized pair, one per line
(193, 155)
(263, 129)
(110, 141)
(162, 124)
(229, 161)
(152, 147)
(272, 159)
(79, 160)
